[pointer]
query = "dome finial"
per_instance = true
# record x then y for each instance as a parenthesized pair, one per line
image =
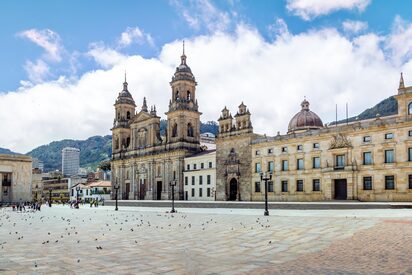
(401, 82)
(183, 57)
(125, 82)
(305, 104)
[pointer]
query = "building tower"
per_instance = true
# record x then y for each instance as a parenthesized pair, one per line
(183, 117)
(70, 161)
(404, 98)
(124, 112)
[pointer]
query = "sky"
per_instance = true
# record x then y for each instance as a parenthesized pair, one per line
(63, 62)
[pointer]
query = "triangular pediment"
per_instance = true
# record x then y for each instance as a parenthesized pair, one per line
(141, 116)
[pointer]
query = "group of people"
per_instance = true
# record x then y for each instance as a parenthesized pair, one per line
(93, 202)
(27, 206)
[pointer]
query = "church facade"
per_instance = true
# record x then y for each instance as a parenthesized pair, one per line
(144, 163)
(366, 160)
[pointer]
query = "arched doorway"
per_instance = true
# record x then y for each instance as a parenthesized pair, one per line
(233, 189)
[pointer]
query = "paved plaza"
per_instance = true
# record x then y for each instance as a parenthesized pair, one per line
(60, 240)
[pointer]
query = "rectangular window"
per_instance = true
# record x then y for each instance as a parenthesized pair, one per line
(271, 166)
(299, 185)
(410, 133)
(316, 162)
(210, 164)
(410, 154)
(208, 179)
(200, 192)
(410, 181)
(284, 186)
(389, 182)
(316, 184)
(257, 186)
(389, 156)
(193, 192)
(257, 167)
(188, 167)
(340, 161)
(257, 152)
(200, 179)
(186, 180)
(389, 136)
(367, 183)
(285, 165)
(367, 139)
(194, 166)
(316, 145)
(208, 192)
(270, 151)
(193, 180)
(299, 164)
(270, 186)
(300, 147)
(284, 149)
(367, 158)
(202, 166)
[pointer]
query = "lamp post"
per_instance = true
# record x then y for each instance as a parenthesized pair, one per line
(116, 188)
(266, 177)
(173, 184)
(77, 196)
(50, 197)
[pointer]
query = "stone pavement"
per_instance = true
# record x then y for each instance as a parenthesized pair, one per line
(60, 240)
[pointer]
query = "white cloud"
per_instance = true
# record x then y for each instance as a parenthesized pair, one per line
(136, 35)
(309, 9)
(270, 77)
(37, 71)
(46, 39)
(104, 56)
(279, 29)
(203, 13)
(399, 43)
(354, 27)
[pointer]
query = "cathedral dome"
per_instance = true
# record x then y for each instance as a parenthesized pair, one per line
(124, 96)
(183, 71)
(305, 120)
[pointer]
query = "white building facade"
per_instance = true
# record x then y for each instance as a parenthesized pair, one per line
(70, 161)
(200, 176)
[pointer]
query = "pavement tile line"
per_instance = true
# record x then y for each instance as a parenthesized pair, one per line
(63, 240)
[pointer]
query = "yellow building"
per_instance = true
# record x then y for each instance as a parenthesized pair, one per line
(368, 160)
(143, 162)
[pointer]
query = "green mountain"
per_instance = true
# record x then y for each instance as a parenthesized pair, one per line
(92, 150)
(386, 107)
(7, 152)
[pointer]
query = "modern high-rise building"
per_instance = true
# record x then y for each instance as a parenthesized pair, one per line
(70, 161)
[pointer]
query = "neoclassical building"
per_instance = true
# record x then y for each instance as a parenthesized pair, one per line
(144, 163)
(367, 160)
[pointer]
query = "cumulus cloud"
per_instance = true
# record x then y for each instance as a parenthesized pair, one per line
(105, 56)
(271, 78)
(399, 43)
(136, 35)
(279, 29)
(37, 71)
(203, 13)
(46, 39)
(309, 9)
(354, 27)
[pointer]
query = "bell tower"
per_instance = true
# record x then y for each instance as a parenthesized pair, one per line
(404, 98)
(183, 116)
(124, 112)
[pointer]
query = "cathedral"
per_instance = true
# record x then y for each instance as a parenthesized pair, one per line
(145, 163)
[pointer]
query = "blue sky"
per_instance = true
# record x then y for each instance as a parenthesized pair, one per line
(80, 23)
(63, 62)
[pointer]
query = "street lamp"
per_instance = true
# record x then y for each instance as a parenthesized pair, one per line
(50, 197)
(77, 196)
(266, 177)
(173, 184)
(116, 188)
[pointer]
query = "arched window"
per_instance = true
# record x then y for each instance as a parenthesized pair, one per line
(174, 130)
(128, 115)
(116, 143)
(189, 130)
(177, 95)
(118, 115)
(410, 109)
(189, 95)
